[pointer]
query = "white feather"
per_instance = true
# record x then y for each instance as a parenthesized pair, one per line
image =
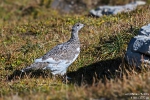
(49, 60)
(61, 67)
(78, 49)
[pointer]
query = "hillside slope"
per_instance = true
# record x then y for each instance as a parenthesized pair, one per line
(28, 30)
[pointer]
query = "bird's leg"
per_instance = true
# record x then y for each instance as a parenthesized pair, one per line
(53, 77)
(66, 78)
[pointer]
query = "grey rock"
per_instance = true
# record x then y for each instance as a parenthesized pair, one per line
(136, 59)
(145, 30)
(138, 51)
(113, 10)
(61, 4)
(141, 44)
(106, 10)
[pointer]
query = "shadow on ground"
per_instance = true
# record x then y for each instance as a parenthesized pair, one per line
(101, 70)
(17, 74)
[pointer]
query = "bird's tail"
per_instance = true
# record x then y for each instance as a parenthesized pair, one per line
(26, 69)
(35, 66)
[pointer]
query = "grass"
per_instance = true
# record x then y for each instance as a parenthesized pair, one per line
(28, 30)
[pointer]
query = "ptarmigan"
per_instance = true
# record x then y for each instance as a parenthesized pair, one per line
(58, 59)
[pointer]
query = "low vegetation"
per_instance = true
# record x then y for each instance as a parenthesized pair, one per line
(28, 30)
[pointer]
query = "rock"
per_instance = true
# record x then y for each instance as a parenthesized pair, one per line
(113, 10)
(106, 10)
(67, 6)
(136, 59)
(138, 51)
(141, 45)
(145, 30)
(138, 2)
(61, 4)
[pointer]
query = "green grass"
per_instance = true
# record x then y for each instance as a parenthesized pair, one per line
(100, 70)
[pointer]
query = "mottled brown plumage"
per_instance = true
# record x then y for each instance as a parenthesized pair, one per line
(58, 59)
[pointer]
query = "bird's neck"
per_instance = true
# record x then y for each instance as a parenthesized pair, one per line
(74, 35)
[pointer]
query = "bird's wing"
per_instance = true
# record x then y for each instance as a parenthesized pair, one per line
(54, 54)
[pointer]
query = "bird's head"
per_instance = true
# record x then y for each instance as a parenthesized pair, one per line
(77, 27)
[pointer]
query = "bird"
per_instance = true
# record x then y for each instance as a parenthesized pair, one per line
(59, 58)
